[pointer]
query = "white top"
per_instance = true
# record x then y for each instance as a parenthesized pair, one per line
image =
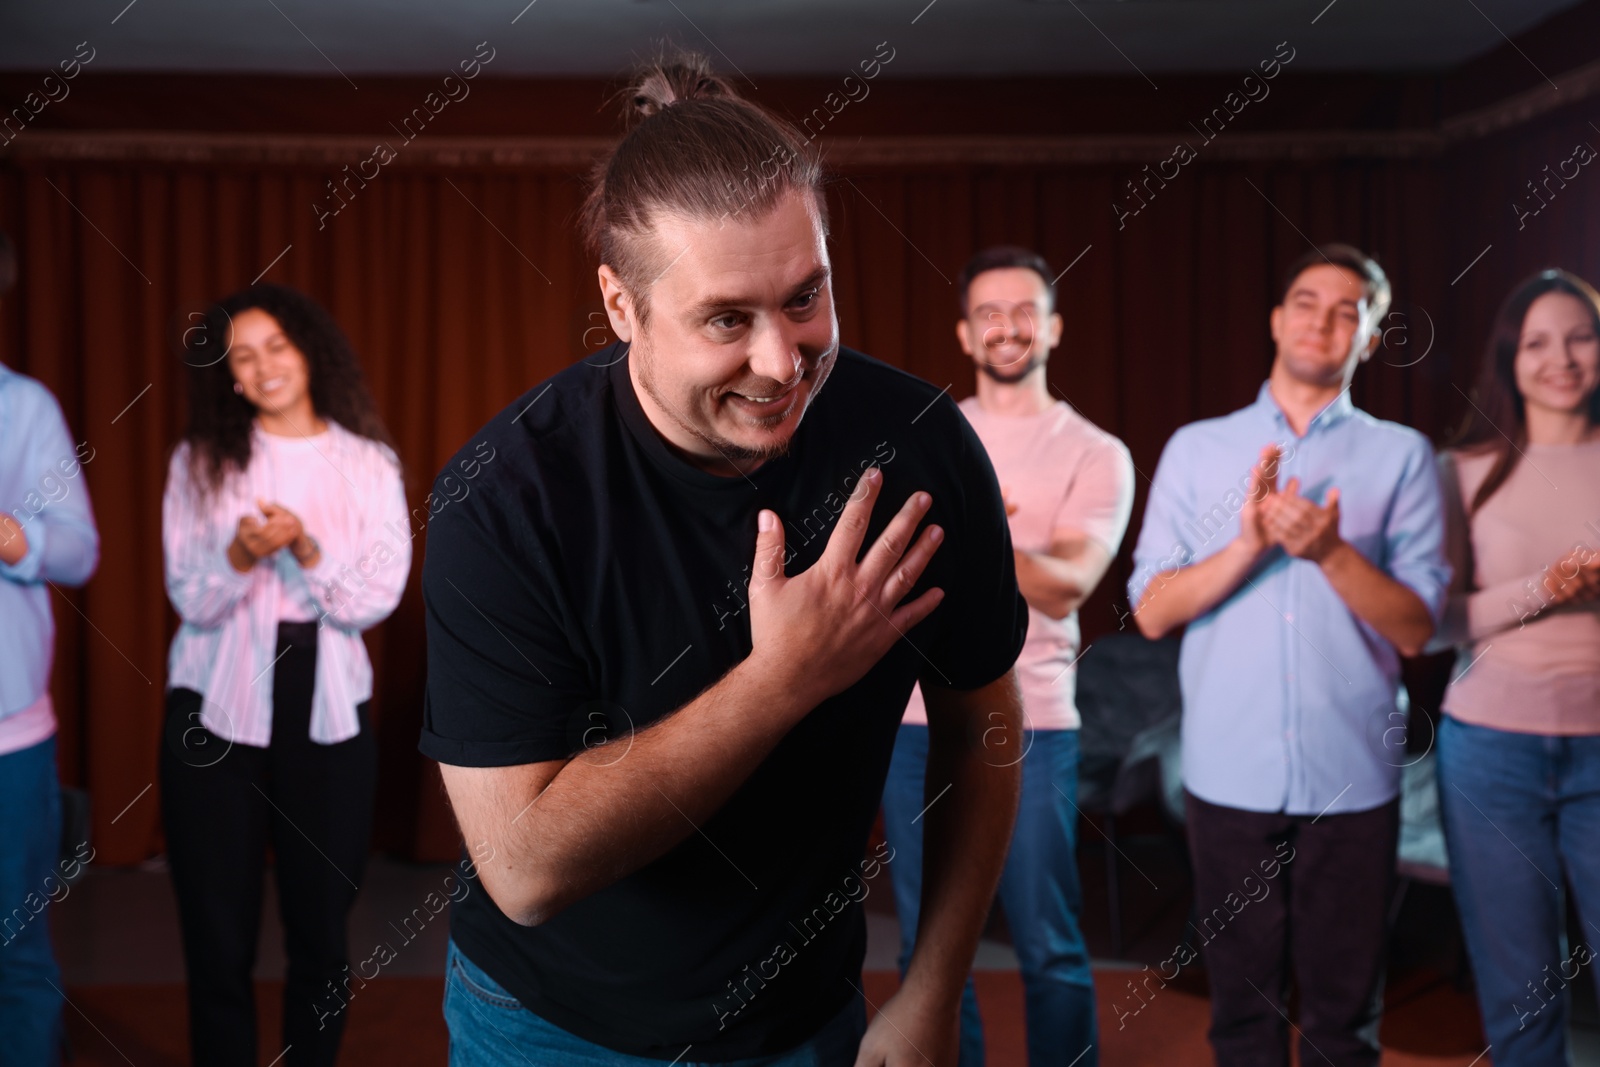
(1060, 471)
(308, 487)
(224, 648)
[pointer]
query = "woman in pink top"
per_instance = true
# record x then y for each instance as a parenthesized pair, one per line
(280, 521)
(1519, 746)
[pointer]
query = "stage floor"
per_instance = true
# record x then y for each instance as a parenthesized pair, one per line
(117, 939)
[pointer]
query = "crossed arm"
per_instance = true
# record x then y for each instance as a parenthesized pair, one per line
(1058, 580)
(56, 539)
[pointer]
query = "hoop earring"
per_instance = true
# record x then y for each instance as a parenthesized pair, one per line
(238, 388)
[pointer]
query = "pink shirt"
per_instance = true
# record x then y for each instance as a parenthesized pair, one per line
(225, 647)
(28, 727)
(1061, 471)
(1520, 670)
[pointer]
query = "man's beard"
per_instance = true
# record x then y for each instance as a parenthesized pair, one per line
(741, 453)
(730, 451)
(1011, 377)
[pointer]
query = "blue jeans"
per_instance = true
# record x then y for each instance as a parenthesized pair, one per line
(1039, 891)
(1520, 811)
(488, 1027)
(30, 843)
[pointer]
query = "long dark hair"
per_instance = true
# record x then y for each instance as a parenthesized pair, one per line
(220, 420)
(1498, 410)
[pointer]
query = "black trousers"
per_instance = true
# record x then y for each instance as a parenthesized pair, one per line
(221, 805)
(1286, 895)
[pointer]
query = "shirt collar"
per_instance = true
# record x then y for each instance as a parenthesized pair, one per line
(1336, 409)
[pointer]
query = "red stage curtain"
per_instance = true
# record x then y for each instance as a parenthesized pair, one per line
(462, 287)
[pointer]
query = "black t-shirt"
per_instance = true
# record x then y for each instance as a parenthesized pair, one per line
(590, 581)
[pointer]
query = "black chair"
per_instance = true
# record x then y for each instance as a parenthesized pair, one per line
(1130, 705)
(1421, 857)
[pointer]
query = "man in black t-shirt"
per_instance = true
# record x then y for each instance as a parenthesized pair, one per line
(671, 632)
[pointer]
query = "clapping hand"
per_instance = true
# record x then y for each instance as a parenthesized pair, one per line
(1305, 530)
(1281, 516)
(1252, 515)
(1575, 578)
(278, 527)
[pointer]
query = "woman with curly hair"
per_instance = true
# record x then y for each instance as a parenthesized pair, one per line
(278, 524)
(1519, 744)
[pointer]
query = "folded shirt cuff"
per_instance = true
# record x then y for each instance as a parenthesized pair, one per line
(27, 568)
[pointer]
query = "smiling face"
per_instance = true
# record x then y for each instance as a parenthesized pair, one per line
(1010, 326)
(741, 333)
(1557, 364)
(275, 376)
(1323, 327)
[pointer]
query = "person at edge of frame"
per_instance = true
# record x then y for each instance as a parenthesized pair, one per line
(1519, 741)
(47, 537)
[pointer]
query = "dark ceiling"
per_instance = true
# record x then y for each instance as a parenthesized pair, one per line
(755, 37)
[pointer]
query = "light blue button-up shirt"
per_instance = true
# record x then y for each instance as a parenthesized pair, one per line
(1289, 700)
(42, 487)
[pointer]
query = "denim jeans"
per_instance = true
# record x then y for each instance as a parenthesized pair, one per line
(1039, 891)
(1520, 812)
(30, 842)
(488, 1027)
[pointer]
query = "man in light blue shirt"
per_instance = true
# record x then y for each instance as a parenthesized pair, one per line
(47, 535)
(1302, 580)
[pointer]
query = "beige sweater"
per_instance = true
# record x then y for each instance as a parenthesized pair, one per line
(1522, 669)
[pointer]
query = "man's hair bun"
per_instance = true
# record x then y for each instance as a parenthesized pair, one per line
(671, 78)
